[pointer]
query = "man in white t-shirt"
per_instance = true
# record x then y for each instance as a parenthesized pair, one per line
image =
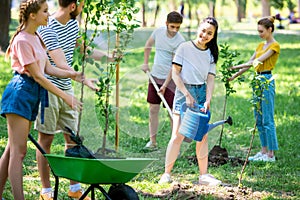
(166, 40)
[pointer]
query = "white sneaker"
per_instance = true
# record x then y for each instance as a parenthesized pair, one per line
(165, 178)
(265, 158)
(256, 156)
(209, 180)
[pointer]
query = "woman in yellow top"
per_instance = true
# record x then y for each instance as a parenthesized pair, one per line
(264, 60)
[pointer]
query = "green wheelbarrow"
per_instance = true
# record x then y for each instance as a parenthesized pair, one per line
(95, 172)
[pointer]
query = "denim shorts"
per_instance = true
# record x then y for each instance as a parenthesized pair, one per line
(198, 92)
(22, 97)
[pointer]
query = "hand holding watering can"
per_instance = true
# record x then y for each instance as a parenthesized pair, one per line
(194, 122)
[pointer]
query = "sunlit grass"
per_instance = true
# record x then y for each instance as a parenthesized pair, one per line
(279, 180)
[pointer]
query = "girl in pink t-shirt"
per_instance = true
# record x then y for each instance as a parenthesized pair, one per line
(22, 96)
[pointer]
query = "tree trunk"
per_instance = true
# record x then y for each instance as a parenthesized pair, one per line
(172, 5)
(156, 13)
(239, 17)
(241, 9)
(298, 7)
(144, 23)
(5, 6)
(212, 8)
(266, 11)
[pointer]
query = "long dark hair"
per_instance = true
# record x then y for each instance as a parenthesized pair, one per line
(213, 44)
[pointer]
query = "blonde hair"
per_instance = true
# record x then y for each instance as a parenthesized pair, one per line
(26, 7)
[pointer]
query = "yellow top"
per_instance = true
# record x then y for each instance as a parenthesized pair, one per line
(270, 62)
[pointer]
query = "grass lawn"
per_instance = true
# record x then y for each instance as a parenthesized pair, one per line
(279, 180)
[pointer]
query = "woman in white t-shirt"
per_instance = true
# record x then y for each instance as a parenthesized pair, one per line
(23, 94)
(193, 71)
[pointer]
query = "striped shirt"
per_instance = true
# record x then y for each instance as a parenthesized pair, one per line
(56, 35)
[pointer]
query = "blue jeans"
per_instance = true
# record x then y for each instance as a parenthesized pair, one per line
(265, 118)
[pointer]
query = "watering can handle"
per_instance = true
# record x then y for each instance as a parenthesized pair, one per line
(196, 107)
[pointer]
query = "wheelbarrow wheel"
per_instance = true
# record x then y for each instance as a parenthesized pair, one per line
(122, 192)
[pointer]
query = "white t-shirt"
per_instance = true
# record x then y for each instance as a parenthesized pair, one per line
(196, 63)
(165, 49)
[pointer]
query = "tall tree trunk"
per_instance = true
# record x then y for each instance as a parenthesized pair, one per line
(212, 8)
(190, 18)
(298, 7)
(144, 23)
(172, 5)
(241, 9)
(156, 13)
(266, 11)
(5, 6)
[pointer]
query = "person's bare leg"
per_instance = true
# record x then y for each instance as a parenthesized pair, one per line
(18, 130)
(202, 155)
(174, 145)
(271, 154)
(171, 122)
(69, 144)
(4, 169)
(264, 150)
(45, 141)
(153, 121)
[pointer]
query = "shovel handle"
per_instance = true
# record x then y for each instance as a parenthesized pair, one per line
(160, 94)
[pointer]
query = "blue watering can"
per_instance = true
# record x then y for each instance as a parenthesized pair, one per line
(194, 123)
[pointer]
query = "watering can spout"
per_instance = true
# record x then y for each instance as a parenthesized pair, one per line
(218, 123)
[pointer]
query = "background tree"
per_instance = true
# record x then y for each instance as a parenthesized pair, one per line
(291, 6)
(157, 7)
(5, 6)
(143, 10)
(241, 9)
(298, 6)
(212, 5)
(266, 10)
(172, 5)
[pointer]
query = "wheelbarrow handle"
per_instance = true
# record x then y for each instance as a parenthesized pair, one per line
(160, 94)
(36, 144)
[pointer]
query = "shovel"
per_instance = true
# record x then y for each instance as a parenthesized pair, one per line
(160, 94)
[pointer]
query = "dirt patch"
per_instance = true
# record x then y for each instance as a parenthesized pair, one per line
(196, 192)
(218, 156)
